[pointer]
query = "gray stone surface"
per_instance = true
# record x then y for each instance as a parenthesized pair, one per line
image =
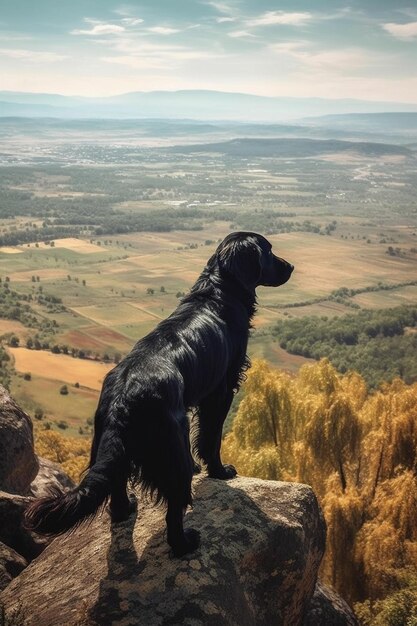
(12, 532)
(261, 546)
(11, 564)
(328, 609)
(50, 475)
(18, 462)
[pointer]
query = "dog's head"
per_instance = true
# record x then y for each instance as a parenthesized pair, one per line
(248, 258)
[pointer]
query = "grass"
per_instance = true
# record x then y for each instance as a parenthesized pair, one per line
(40, 392)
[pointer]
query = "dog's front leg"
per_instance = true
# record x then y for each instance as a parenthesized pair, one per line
(212, 412)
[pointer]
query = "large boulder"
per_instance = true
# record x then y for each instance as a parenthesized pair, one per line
(11, 564)
(12, 532)
(328, 609)
(50, 475)
(261, 547)
(21, 474)
(18, 462)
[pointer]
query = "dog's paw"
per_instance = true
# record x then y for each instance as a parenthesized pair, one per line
(189, 544)
(224, 472)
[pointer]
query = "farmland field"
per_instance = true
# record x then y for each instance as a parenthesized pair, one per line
(60, 367)
(102, 250)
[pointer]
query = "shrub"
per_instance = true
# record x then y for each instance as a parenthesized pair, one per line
(39, 413)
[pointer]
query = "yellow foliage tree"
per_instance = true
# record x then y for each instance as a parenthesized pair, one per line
(73, 454)
(358, 451)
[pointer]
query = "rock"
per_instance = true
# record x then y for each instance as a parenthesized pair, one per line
(18, 462)
(12, 533)
(328, 609)
(261, 546)
(50, 475)
(11, 564)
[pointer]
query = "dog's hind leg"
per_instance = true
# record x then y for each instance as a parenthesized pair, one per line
(179, 495)
(121, 505)
(166, 464)
(212, 411)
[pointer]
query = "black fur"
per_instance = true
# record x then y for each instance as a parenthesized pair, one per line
(195, 359)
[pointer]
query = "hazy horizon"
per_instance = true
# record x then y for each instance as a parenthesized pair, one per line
(219, 91)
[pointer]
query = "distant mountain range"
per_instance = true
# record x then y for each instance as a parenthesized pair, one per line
(189, 104)
(292, 148)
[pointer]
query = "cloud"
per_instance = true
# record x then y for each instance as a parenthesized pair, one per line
(221, 7)
(220, 20)
(159, 59)
(163, 30)
(340, 61)
(35, 56)
(100, 29)
(135, 62)
(132, 21)
(240, 34)
(8, 37)
(271, 18)
(289, 47)
(401, 31)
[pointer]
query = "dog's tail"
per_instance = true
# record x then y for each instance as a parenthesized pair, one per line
(59, 512)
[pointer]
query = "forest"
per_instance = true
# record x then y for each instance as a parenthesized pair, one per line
(96, 213)
(358, 450)
(379, 344)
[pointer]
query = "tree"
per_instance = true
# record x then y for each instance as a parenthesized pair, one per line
(39, 413)
(358, 450)
(71, 453)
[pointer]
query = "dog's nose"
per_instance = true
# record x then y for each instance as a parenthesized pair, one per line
(291, 267)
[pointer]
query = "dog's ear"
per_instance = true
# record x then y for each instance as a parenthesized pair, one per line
(242, 259)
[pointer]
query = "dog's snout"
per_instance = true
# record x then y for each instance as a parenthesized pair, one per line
(291, 266)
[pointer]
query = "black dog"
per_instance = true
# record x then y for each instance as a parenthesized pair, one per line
(196, 358)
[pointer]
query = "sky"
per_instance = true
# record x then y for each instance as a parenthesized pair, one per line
(363, 49)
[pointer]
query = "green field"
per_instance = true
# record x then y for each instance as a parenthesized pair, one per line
(113, 309)
(344, 219)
